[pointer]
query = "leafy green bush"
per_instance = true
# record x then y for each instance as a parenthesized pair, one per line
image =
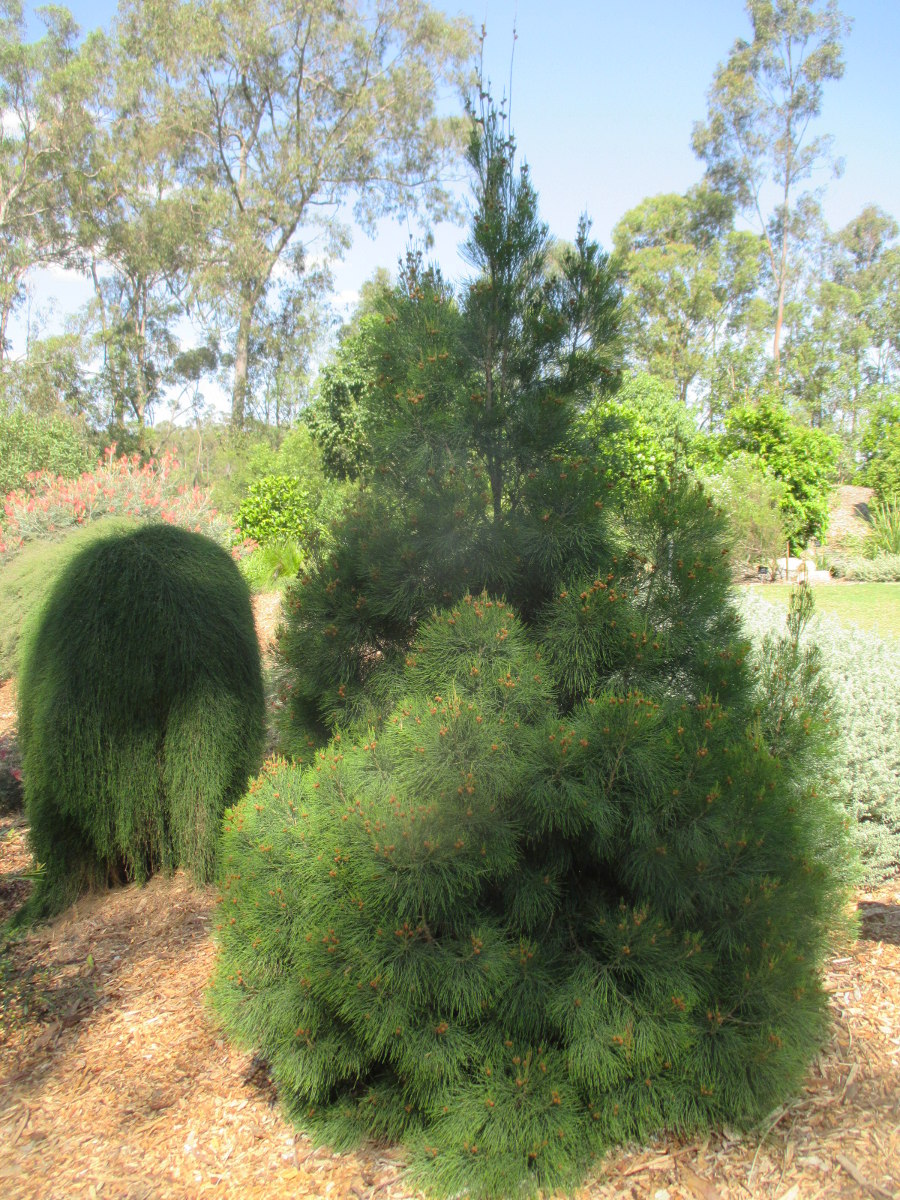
(27, 577)
(647, 433)
(337, 416)
(30, 443)
(804, 459)
(140, 711)
(864, 675)
(883, 569)
(880, 444)
(752, 501)
(562, 870)
(276, 508)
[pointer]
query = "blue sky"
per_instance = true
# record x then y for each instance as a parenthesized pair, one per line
(604, 96)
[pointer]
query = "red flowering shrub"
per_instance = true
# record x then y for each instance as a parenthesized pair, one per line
(50, 505)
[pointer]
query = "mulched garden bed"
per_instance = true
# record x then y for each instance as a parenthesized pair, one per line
(115, 1081)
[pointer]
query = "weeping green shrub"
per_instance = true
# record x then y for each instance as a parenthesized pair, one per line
(141, 711)
(26, 579)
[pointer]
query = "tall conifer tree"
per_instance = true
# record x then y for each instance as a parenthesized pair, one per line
(478, 477)
(560, 877)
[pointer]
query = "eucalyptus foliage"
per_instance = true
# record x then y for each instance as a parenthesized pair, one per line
(140, 711)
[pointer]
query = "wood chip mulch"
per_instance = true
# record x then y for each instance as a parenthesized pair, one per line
(117, 1083)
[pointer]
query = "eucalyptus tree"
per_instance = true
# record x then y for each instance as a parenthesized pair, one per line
(291, 322)
(845, 351)
(756, 139)
(297, 113)
(135, 226)
(38, 125)
(690, 284)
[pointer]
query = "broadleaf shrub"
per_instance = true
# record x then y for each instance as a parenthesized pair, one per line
(276, 508)
(140, 711)
(647, 433)
(803, 458)
(863, 672)
(563, 863)
(752, 502)
(880, 444)
(30, 443)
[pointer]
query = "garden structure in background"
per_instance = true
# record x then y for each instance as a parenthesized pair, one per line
(140, 711)
(562, 860)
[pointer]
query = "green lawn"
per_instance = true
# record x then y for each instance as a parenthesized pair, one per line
(874, 606)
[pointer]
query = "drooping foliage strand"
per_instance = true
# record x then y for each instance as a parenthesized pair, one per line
(140, 711)
(561, 863)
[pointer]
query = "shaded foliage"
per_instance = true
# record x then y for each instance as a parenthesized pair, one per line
(140, 711)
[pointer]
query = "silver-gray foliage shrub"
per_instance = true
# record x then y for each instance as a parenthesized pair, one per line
(864, 673)
(885, 568)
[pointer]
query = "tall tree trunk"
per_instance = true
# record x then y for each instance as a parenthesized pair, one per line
(140, 399)
(781, 275)
(495, 474)
(5, 310)
(249, 297)
(779, 321)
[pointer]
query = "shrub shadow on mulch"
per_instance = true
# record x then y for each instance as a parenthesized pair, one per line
(879, 922)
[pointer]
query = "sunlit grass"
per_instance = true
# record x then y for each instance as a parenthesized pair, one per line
(872, 606)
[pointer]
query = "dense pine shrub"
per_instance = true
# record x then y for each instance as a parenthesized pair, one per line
(140, 711)
(514, 932)
(863, 673)
(562, 863)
